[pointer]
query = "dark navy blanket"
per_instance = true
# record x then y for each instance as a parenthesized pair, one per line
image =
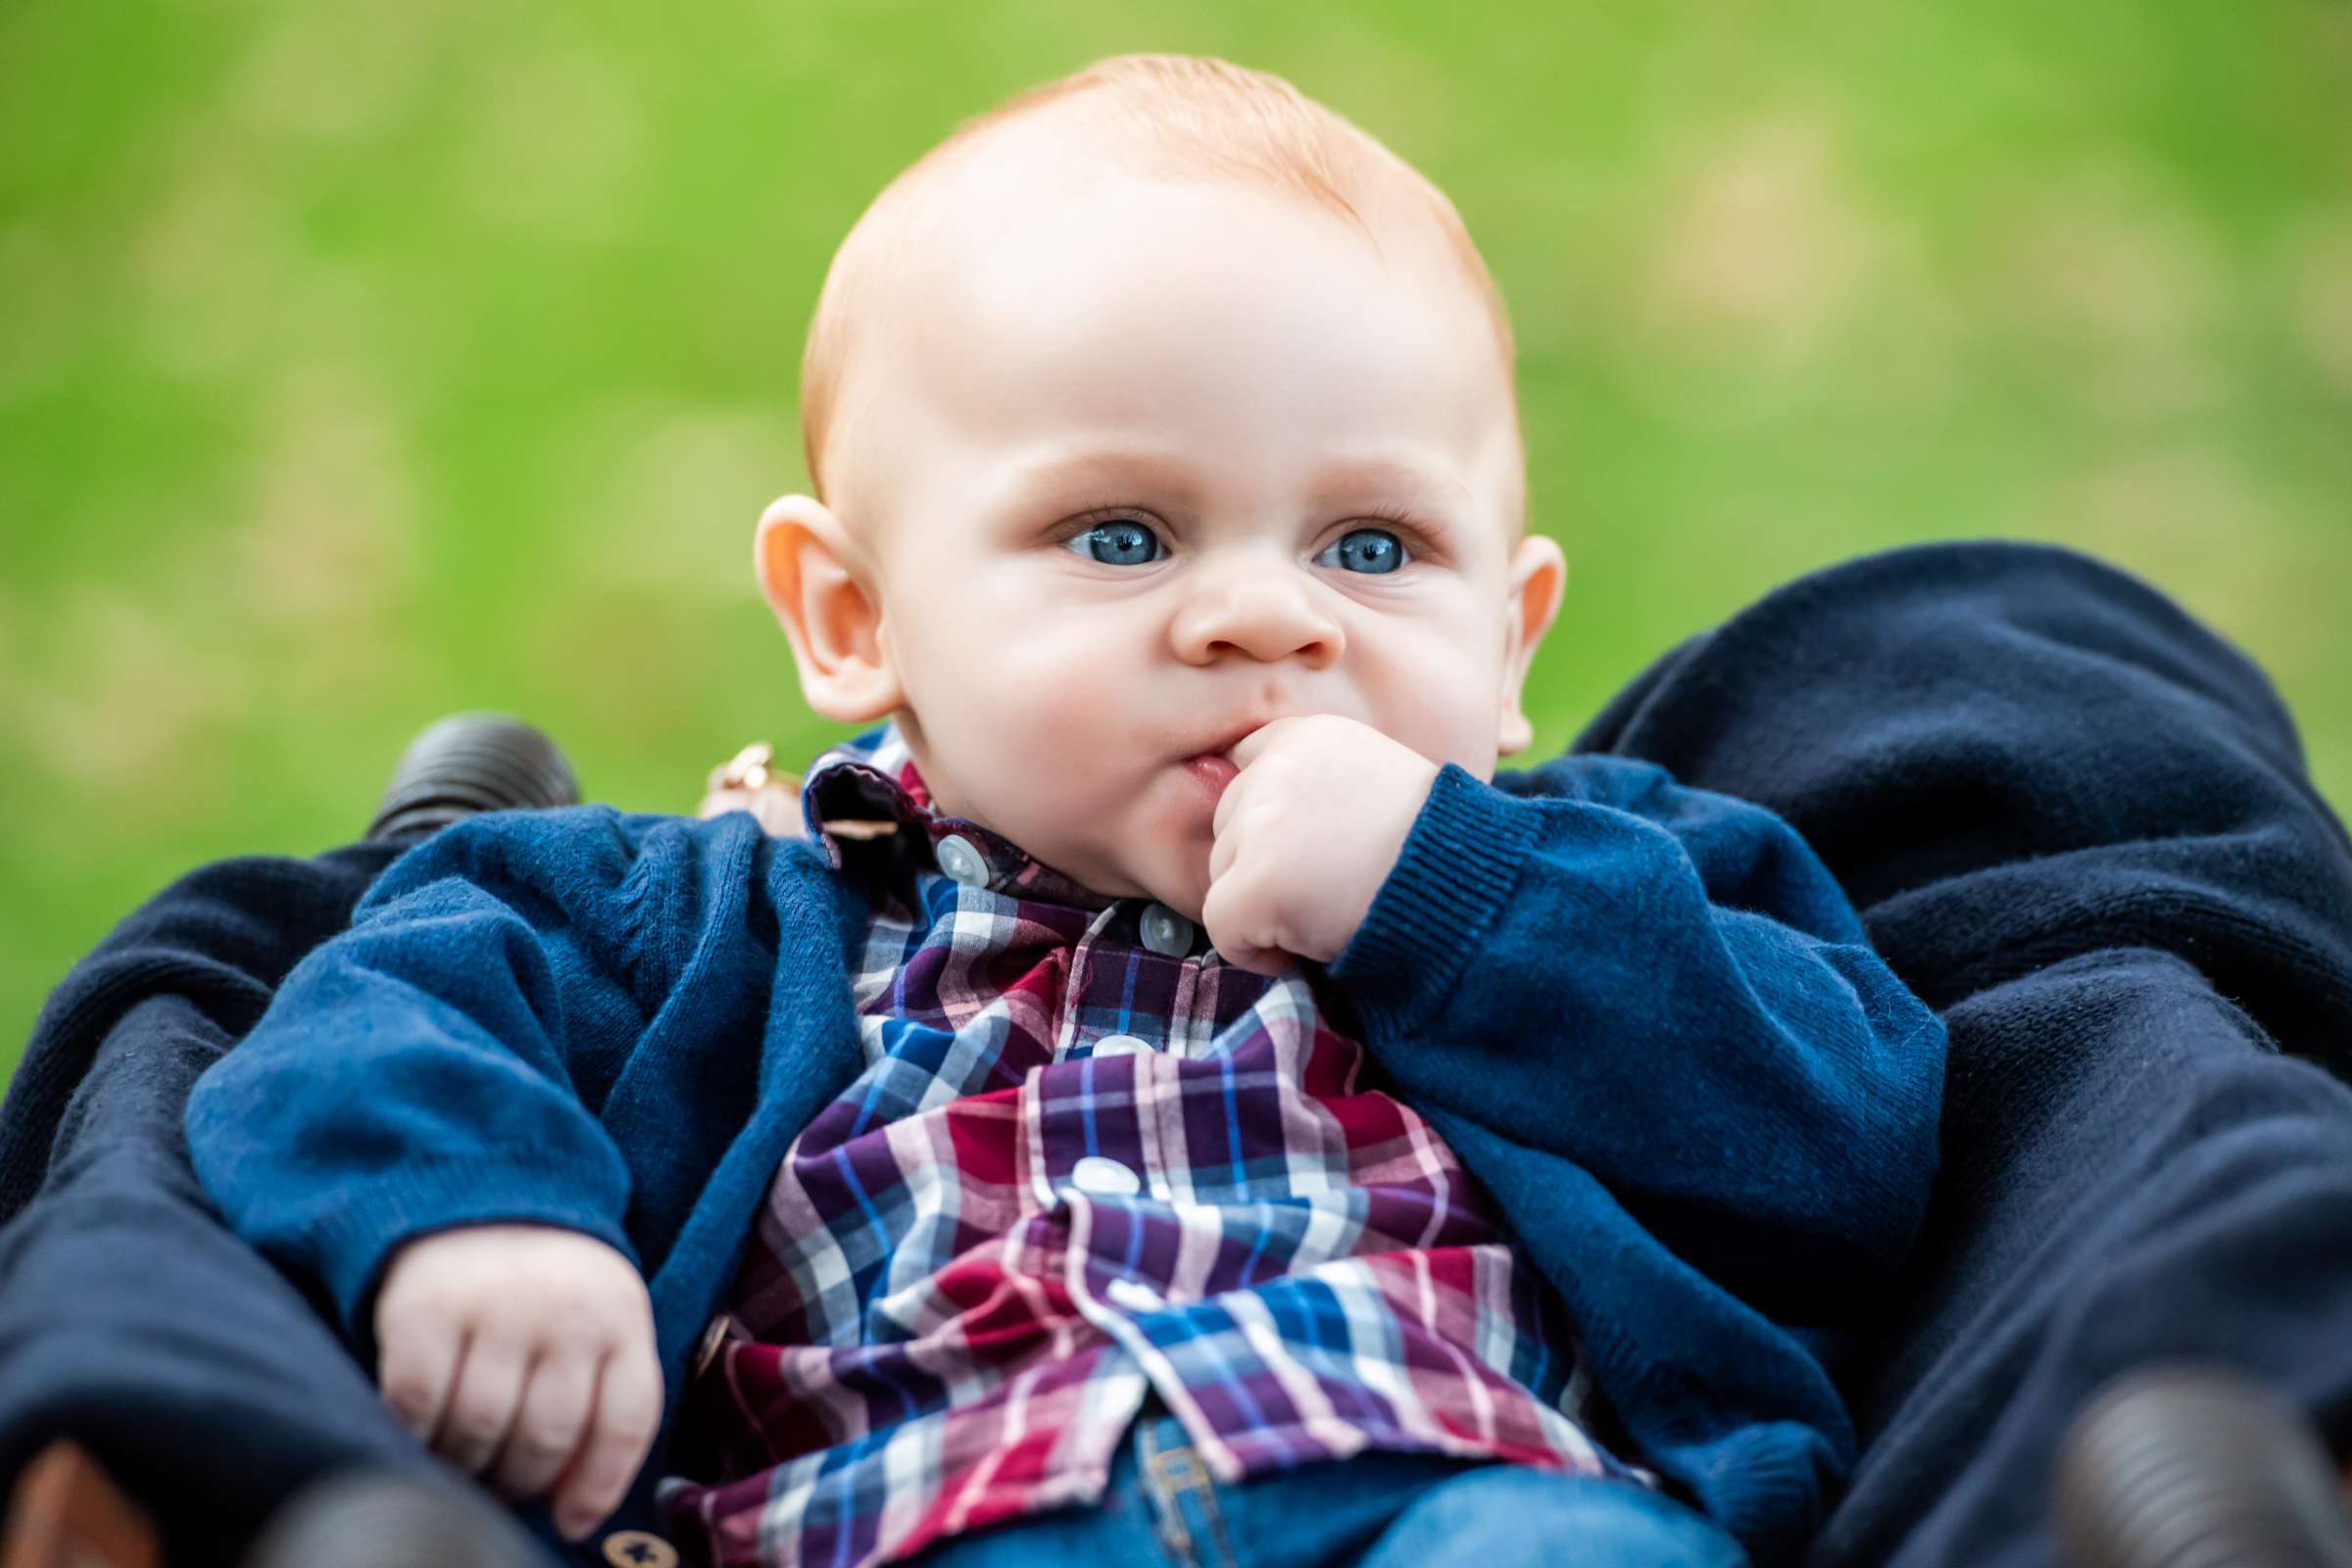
(2074, 822)
(2078, 826)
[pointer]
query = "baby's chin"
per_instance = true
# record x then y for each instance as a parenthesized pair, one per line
(1181, 881)
(1158, 853)
(1186, 903)
(1178, 877)
(1182, 889)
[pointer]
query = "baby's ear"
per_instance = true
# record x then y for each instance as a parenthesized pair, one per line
(819, 585)
(1539, 574)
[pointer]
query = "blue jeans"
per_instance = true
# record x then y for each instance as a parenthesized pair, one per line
(1377, 1510)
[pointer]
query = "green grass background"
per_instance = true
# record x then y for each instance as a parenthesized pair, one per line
(359, 364)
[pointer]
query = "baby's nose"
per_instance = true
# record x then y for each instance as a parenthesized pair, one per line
(1261, 612)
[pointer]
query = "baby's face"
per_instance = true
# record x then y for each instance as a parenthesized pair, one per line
(1149, 468)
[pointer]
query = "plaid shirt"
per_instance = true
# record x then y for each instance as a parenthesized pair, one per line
(1088, 1161)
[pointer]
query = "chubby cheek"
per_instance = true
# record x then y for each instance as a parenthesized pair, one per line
(1024, 714)
(1436, 691)
(1068, 687)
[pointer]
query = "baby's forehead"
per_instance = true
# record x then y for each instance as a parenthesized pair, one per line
(1126, 292)
(1015, 223)
(1032, 247)
(1040, 171)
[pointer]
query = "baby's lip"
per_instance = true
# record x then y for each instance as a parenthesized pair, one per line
(1216, 770)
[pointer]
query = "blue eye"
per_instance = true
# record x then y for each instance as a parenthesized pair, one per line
(1370, 551)
(1118, 543)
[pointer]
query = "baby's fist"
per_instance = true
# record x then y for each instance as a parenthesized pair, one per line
(524, 1354)
(1305, 834)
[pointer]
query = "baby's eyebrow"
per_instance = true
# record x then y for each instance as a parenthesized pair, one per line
(1355, 479)
(1164, 472)
(1343, 481)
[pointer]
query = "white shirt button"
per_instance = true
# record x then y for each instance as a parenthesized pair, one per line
(1135, 1296)
(962, 861)
(1120, 1046)
(1166, 932)
(1095, 1173)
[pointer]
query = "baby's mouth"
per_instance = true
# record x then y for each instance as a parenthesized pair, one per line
(1214, 770)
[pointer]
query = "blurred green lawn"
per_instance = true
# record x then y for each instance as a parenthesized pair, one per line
(359, 364)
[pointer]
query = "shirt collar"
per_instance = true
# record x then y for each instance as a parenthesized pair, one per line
(866, 790)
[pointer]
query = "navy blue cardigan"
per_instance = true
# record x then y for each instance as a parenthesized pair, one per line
(1643, 1015)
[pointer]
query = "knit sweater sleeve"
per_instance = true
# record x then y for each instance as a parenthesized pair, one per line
(1648, 1020)
(442, 1061)
(1665, 985)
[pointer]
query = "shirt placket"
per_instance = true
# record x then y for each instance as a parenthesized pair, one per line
(1080, 1110)
(1095, 1144)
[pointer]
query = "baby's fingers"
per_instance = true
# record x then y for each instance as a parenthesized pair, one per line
(1239, 929)
(419, 1366)
(626, 1414)
(481, 1409)
(548, 1427)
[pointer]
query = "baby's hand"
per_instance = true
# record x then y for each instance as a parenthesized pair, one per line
(1305, 834)
(525, 1352)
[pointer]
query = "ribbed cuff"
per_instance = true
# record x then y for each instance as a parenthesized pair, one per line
(1460, 861)
(354, 1244)
(1766, 1484)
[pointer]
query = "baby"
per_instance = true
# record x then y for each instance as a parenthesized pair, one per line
(1176, 1104)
